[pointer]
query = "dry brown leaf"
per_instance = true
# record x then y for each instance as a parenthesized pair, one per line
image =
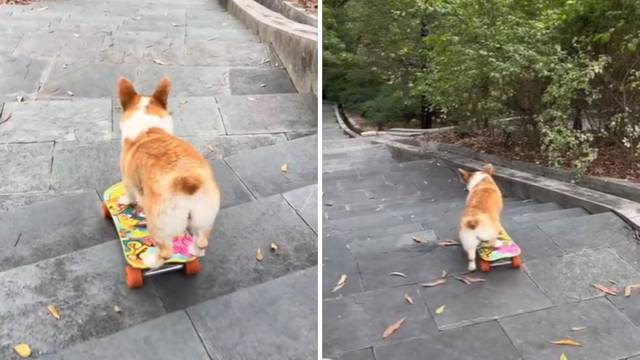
(578, 328)
(470, 280)
(259, 256)
(563, 357)
(340, 284)
(605, 289)
(627, 291)
(23, 350)
(567, 342)
(42, 8)
(408, 299)
(20, 99)
(70, 93)
(53, 310)
(418, 239)
(444, 274)
(396, 273)
(184, 102)
(117, 309)
(463, 279)
(434, 283)
(440, 310)
(159, 62)
(449, 242)
(174, 24)
(392, 328)
(284, 168)
(273, 247)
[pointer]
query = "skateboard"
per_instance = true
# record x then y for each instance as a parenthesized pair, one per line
(137, 246)
(508, 253)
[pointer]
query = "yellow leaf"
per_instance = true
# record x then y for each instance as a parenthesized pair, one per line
(259, 256)
(340, 284)
(563, 357)
(392, 328)
(408, 298)
(159, 62)
(567, 342)
(23, 350)
(53, 310)
(284, 168)
(117, 309)
(273, 247)
(440, 310)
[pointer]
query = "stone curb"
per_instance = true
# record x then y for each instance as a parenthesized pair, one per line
(291, 11)
(296, 44)
(525, 185)
(342, 123)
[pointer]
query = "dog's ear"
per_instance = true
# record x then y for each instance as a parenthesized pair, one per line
(126, 93)
(161, 94)
(488, 169)
(464, 175)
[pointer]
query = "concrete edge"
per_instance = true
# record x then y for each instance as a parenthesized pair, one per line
(525, 185)
(296, 44)
(342, 123)
(291, 11)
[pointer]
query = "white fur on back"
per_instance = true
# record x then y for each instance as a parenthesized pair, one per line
(476, 178)
(140, 122)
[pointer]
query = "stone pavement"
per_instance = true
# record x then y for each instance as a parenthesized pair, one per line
(59, 148)
(373, 206)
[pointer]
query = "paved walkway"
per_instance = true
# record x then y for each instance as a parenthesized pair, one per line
(373, 207)
(59, 148)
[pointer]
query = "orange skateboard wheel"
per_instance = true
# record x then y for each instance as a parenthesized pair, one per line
(516, 262)
(485, 266)
(133, 277)
(105, 211)
(192, 267)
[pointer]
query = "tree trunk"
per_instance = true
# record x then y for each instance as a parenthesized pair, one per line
(426, 121)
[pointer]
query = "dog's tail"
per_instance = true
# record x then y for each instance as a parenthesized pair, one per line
(187, 184)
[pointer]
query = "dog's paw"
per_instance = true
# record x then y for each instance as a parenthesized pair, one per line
(499, 243)
(472, 266)
(125, 200)
(195, 250)
(153, 260)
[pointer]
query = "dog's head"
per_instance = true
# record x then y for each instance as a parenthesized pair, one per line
(141, 113)
(473, 178)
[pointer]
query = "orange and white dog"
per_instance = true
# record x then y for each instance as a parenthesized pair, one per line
(164, 175)
(481, 216)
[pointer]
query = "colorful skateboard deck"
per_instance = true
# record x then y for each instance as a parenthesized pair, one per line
(508, 249)
(134, 236)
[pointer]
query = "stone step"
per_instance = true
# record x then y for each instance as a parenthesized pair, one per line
(286, 306)
(260, 169)
(87, 283)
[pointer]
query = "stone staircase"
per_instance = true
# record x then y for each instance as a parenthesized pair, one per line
(374, 206)
(59, 148)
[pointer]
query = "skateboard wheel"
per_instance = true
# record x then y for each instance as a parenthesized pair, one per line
(133, 277)
(516, 262)
(192, 267)
(105, 211)
(485, 266)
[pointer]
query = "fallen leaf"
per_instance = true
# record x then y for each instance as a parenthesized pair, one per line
(159, 62)
(53, 310)
(70, 93)
(284, 168)
(418, 239)
(340, 284)
(434, 283)
(273, 247)
(76, 35)
(606, 290)
(449, 242)
(392, 328)
(264, 61)
(184, 102)
(259, 256)
(440, 310)
(20, 99)
(578, 328)
(263, 85)
(567, 342)
(563, 357)
(23, 350)
(395, 273)
(444, 274)
(43, 8)
(210, 148)
(174, 24)
(117, 309)
(408, 298)
(470, 280)
(627, 291)
(137, 18)
(463, 279)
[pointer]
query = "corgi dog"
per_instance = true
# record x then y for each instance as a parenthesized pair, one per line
(481, 216)
(163, 175)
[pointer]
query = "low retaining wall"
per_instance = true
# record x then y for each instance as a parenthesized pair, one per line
(291, 11)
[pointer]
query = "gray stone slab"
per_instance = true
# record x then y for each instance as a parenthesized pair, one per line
(223, 146)
(84, 285)
(467, 343)
(20, 200)
(168, 337)
(212, 33)
(364, 354)
(20, 75)
(608, 334)
(358, 321)
(534, 243)
(630, 306)
(83, 120)
(8, 43)
(275, 320)
(506, 292)
(51, 228)
(66, 45)
(84, 79)
(268, 113)
(260, 81)
(305, 201)
(25, 167)
(392, 242)
(260, 169)
(185, 81)
(532, 218)
(337, 261)
(192, 116)
(221, 52)
(230, 262)
(569, 277)
(89, 166)
(138, 47)
(232, 190)
(587, 232)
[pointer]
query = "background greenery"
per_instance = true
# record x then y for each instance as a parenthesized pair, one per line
(567, 69)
